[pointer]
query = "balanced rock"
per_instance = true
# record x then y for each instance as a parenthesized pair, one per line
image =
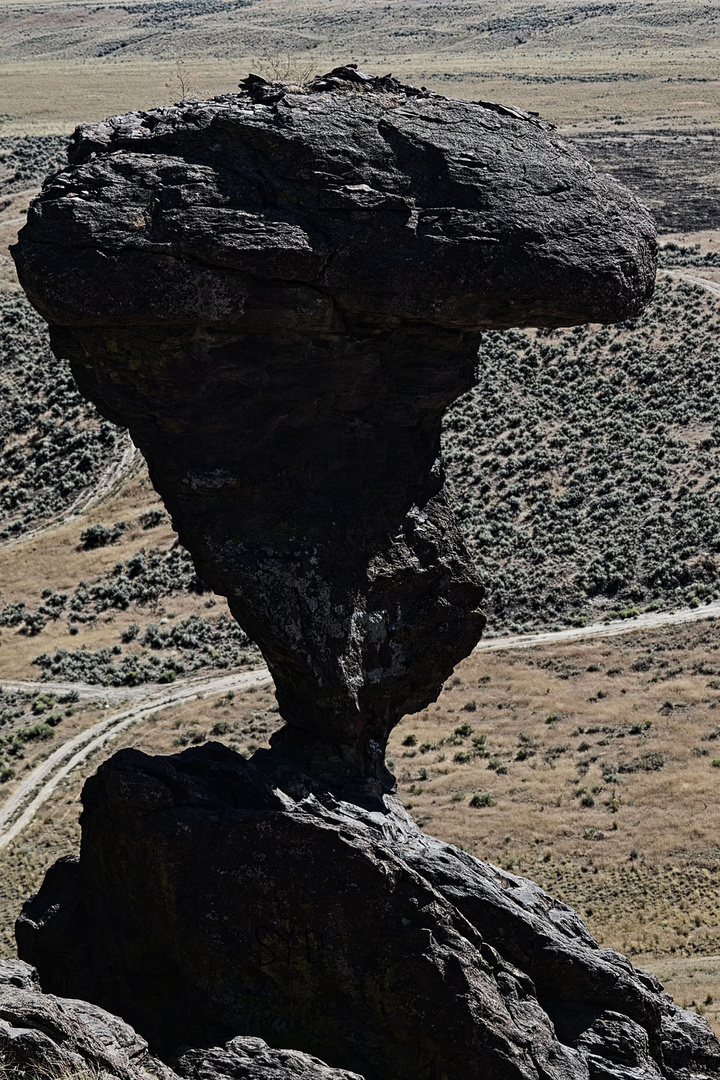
(279, 292)
(214, 898)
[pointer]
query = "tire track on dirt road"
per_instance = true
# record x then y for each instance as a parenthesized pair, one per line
(20, 809)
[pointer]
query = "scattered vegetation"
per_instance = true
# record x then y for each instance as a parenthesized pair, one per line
(677, 255)
(53, 444)
(143, 579)
(25, 160)
(183, 647)
(28, 719)
(609, 801)
(585, 465)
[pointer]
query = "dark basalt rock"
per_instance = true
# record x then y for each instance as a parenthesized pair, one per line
(279, 293)
(253, 1059)
(43, 1036)
(216, 896)
(46, 1036)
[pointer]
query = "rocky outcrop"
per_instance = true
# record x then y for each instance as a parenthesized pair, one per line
(42, 1036)
(216, 896)
(46, 1036)
(279, 293)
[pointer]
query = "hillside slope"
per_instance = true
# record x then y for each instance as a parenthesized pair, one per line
(584, 469)
(584, 465)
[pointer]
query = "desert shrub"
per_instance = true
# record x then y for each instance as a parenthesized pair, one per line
(53, 444)
(96, 536)
(152, 518)
(481, 799)
(28, 159)
(671, 254)
(36, 732)
(14, 704)
(42, 703)
(585, 465)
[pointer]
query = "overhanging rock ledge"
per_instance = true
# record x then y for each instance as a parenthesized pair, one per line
(279, 292)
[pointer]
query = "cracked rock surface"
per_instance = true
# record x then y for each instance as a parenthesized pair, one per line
(279, 293)
(216, 896)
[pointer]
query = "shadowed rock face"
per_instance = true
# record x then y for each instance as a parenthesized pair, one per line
(279, 293)
(215, 897)
(51, 1037)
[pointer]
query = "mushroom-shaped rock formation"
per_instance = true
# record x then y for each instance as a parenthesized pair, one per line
(279, 292)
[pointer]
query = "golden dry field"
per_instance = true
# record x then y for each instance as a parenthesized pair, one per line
(575, 62)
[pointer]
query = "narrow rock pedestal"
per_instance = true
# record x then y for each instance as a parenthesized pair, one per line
(279, 292)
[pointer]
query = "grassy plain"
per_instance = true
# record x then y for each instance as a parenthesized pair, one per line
(575, 62)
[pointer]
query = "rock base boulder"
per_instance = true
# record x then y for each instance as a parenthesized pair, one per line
(217, 897)
(44, 1037)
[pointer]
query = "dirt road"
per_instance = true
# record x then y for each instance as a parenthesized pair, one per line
(35, 789)
(20, 809)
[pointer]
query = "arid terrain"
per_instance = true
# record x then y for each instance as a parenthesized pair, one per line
(592, 766)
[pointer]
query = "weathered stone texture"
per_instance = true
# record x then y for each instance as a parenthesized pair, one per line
(216, 896)
(279, 292)
(43, 1037)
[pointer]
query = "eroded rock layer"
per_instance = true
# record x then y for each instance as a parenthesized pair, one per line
(279, 293)
(218, 897)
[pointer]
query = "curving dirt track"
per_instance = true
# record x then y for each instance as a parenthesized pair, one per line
(109, 481)
(36, 788)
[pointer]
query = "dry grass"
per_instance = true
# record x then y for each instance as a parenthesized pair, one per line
(55, 558)
(65, 64)
(640, 862)
(638, 854)
(46, 1070)
(693, 982)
